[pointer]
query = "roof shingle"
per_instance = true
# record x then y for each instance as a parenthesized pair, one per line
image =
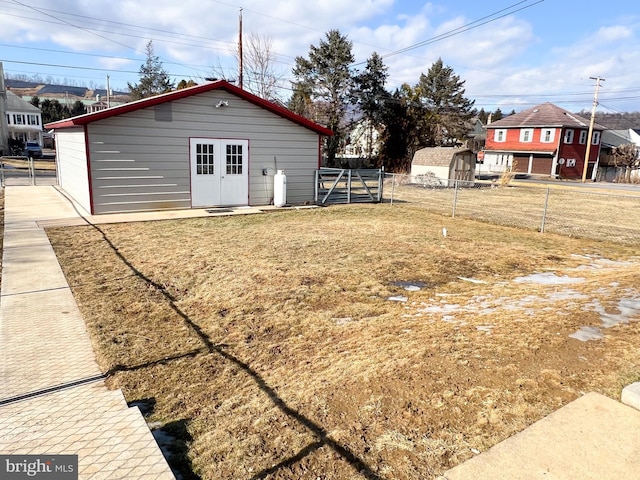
(544, 115)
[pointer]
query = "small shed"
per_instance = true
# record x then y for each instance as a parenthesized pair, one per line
(210, 145)
(445, 163)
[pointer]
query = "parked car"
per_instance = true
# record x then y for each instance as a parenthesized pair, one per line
(32, 149)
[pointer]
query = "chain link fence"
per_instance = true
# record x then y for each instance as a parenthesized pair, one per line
(27, 171)
(555, 209)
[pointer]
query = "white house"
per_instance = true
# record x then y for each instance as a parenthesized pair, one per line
(204, 146)
(24, 120)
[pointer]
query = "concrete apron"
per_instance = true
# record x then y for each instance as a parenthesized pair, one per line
(593, 437)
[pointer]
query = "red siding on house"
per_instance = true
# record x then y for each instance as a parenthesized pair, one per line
(513, 143)
(577, 152)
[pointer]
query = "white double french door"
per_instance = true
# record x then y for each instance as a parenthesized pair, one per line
(219, 172)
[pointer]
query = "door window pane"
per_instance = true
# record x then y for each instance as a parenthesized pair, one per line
(205, 159)
(234, 160)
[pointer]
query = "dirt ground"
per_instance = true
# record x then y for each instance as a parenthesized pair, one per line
(352, 341)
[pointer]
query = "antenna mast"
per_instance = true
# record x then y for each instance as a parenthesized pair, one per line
(240, 66)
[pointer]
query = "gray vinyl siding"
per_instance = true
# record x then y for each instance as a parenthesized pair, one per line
(140, 161)
(73, 174)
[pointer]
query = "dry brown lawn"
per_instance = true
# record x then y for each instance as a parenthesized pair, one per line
(565, 208)
(268, 344)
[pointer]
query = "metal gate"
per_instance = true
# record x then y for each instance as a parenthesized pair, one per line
(339, 185)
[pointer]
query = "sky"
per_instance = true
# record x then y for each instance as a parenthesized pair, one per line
(511, 54)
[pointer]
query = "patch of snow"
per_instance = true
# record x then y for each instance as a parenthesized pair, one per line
(342, 321)
(472, 280)
(548, 278)
(398, 298)
(412, 288)
(485, 328)
(588, 333)
(566, 294)
(629, 309)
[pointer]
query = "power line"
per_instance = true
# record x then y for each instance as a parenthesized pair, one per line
(456, 31)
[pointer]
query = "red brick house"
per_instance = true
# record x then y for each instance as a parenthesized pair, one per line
(543, 140)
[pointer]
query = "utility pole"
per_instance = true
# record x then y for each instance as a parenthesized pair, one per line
(240, 67)
(4, 128)
(591, 123)
(108, 93)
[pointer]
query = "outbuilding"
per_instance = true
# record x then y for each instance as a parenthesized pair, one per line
(447, 164)
(210, 145)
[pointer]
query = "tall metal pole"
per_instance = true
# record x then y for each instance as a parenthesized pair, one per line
(240, 67)
(591, 123)
(4, 128)
(108, 93)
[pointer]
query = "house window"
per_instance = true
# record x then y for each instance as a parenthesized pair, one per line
(547, 134)
(500, 135)
(568, 136)
(526, 135)
(595, 139)
(18, 119)
(583, 137)
(33, 120)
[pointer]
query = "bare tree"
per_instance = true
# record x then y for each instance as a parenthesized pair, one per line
(259, 73)
(627, 156)
(260, 76)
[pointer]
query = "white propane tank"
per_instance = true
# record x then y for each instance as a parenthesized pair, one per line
(280, 189)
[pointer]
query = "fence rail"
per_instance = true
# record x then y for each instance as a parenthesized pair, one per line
(341, 185)
(18, 170)
(566, 211)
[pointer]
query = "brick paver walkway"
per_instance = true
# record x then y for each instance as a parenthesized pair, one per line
(52, 397)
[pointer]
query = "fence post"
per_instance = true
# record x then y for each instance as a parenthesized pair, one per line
(349, 186)
(32, 173)
(455, 199)
(315, 187)
(393, 185)
(544, 212)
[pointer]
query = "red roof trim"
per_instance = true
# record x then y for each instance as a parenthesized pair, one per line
(188, 92)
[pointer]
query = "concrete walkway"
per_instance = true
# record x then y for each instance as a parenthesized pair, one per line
(52, 396)
(592, 438)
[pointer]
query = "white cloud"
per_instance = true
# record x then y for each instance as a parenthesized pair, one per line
(613, 34)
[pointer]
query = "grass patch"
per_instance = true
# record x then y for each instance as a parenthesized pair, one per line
(271, 340)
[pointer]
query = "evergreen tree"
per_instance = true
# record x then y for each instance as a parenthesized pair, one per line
(35, 101)
(328, 81)
(442, 93)
(154, 79)
(186, 84)
(483, 116)
(404, 120)
(497, 115)
(52, 111)
(301, 102)
(370, 94)
(78, 108)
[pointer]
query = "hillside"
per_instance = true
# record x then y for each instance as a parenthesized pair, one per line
(615, 121)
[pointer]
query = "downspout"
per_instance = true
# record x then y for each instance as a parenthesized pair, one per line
(595, 166)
